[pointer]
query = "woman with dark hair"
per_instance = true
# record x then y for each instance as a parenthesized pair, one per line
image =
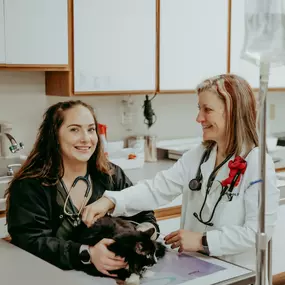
(47, 194)
(219, 179)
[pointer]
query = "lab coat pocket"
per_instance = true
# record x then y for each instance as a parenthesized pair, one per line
(231, 196)
(230, 212)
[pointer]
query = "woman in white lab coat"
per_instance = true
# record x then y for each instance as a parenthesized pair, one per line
(222, 225)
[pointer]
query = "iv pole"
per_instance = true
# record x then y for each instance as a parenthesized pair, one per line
(264, 46)
(261, 238)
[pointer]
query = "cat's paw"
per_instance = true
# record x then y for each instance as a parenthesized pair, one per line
(134, 279)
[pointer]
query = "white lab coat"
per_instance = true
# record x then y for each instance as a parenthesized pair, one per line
(233, 235)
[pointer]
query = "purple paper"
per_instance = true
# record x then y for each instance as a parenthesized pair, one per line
(177, 268)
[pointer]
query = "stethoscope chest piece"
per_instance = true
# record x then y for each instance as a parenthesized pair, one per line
(76, 222)
(195, 184)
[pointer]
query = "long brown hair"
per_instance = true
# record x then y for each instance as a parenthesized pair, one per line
(240, 106)
(45, 160)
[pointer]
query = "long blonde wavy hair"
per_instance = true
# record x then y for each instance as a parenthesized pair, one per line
(240, 106)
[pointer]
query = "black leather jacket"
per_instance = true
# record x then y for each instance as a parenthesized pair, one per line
(33, 218)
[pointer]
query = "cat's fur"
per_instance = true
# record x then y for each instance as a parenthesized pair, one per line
(136, 247)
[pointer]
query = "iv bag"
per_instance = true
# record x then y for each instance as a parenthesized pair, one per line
(264, 39)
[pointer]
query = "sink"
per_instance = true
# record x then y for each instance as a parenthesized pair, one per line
(4, 180)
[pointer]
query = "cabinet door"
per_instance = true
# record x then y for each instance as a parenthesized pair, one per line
(2, 33)
(36, 32)
(239, 66)
(193, 42)
(114, 45)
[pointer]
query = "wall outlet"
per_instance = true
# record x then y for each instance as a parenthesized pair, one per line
(272, 111)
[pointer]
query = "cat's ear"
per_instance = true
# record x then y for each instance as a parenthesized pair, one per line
(150, 231)
(139, 248)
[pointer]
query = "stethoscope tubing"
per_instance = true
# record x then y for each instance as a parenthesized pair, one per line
(85, 179)
(225, 189)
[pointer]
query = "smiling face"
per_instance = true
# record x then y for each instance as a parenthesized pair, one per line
(211, 116)
(77, 135)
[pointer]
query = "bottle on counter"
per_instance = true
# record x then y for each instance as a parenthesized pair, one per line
(138, 144)
(103, 137)
(150, 149)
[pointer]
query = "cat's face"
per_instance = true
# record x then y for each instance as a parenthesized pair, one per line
(147, 250)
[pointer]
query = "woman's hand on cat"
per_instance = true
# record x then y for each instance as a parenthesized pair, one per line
(185, 240)
(96, 210)
(105, 260)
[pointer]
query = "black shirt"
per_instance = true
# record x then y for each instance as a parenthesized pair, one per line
(34, 217)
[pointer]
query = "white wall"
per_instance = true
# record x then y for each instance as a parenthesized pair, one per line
(23, 102)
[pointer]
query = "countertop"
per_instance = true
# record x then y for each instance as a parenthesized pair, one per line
(148, 170)
(20, 267)
(280, 165)
(279, 153)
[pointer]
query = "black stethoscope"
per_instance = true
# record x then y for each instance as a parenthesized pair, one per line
(196, 184)
(75, 215)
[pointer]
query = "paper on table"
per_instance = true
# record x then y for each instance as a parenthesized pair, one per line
(176, 269)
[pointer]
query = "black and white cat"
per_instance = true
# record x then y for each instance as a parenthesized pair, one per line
(135, 246)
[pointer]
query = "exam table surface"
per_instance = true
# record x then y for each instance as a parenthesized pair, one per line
(18, 266)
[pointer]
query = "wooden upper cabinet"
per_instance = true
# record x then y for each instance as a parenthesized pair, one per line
(193, 42)
(239, 66)
(114, 46)
(2, 33)
(36, 32)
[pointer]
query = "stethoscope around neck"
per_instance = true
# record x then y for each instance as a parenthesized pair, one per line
(196, 185)
(75, 215)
